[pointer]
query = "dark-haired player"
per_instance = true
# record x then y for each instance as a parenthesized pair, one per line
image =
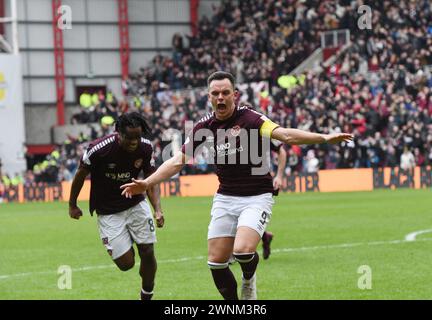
(243, 203)
(112, 161)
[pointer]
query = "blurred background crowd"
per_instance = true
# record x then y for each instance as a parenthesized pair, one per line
(379, 88)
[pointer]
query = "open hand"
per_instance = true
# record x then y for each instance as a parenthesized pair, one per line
(334, 138)
(134, 187)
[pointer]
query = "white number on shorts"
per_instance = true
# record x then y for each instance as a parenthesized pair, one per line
(264, 216)
(151, 225)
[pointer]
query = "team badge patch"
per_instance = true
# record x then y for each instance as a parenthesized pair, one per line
(138, 163)
(105, 241)
(235, 131)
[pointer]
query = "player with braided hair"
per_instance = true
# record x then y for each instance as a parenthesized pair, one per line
(112, 161)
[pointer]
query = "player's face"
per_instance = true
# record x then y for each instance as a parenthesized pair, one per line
(130, 139)
(221, 95)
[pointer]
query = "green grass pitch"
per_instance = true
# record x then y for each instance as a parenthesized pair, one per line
(321, 240)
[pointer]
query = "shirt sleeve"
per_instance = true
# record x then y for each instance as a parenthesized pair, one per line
(191, 143)
(267, 127)
(261, 122)
(88, 159)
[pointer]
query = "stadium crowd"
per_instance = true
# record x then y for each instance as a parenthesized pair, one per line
(379, 88)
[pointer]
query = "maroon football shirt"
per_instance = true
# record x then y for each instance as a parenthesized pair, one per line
(111, 166)
(239, 143)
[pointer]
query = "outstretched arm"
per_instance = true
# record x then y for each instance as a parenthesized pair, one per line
(165, 171)
(297, 136)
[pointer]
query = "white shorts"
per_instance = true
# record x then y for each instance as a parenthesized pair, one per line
(118, 231)
(230, 212)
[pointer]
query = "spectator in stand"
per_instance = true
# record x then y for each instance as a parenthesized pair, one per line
(395, 100)
(311, 162)
(407, 161)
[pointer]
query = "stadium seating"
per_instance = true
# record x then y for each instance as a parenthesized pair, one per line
(379, 89)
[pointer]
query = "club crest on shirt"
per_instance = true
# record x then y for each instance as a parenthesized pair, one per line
(235, 131)
(111, 165)
(138, 163)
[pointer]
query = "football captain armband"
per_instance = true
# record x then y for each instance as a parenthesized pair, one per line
(267, 128)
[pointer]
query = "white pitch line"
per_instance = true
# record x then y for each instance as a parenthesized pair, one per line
(299, 249)
(7, 276)
(347, 245)
(412, 236)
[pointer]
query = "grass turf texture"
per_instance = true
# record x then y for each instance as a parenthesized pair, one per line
(321, 239)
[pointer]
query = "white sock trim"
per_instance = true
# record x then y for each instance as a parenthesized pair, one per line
(217, 265)
(238, 257)
(145, 292)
